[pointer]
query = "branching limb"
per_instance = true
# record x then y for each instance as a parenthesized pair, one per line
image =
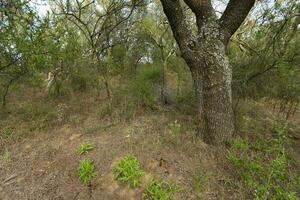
(233, 16)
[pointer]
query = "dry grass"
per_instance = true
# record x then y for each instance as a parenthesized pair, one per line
(43, 161)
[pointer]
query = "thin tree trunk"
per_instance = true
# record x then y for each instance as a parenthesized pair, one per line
(108, 93)
(6, 92)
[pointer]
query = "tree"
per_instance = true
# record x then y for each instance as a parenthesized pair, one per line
(100, 23)
(20, 44)
(205, 54)
(264, 56)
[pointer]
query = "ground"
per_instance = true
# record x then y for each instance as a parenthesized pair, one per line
(43, 164)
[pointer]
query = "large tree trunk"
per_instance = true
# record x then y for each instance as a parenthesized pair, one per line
(217, 100)
(204, 53)
(211, 73)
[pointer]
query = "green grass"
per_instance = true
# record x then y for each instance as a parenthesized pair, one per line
(86, 171)
(159, 190)
(84, 148)
(128, 170)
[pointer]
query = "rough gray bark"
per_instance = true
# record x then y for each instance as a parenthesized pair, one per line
(205, 55)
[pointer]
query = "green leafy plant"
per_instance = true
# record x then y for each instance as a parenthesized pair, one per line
(86, 171)
(160, 190)
(84, 148)
(128, 170)
(263, 167)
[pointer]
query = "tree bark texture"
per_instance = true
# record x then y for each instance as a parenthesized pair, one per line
(206, 57)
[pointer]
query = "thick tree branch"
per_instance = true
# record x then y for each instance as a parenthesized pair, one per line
(176, 18)
(202, 10)
(233, 16)
(200, 7)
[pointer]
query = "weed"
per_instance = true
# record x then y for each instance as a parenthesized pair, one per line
(6, 133)
(128, 170)
(263, 167)
(175, 129)
(86, 171)
(84, 148)
(159, 190)
(199, 182)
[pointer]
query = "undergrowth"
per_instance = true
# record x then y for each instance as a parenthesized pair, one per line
(86, 171)
(160, 190)
(264, 168)
(128, 170)
(38, 116)
(199, 182)
(84, 148)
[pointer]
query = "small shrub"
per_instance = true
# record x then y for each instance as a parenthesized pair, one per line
(143, 87)
(159, 190)
(144, 94)
(153, 74)
(128, 170)
(84, 148)
(86, 171)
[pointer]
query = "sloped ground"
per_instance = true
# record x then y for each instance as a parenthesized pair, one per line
(43, 165)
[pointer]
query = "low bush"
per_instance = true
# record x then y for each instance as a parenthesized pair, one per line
(84, 148)
(128, 170)
(159, 190)
(86, 171)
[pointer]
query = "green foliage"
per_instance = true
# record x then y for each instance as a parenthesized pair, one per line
(263, 167)
(144, 85)
(84, 148)
(128, 170)
(159, 190)
(144, 94)
(152, 74)
(265, 63)
(86, 171)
